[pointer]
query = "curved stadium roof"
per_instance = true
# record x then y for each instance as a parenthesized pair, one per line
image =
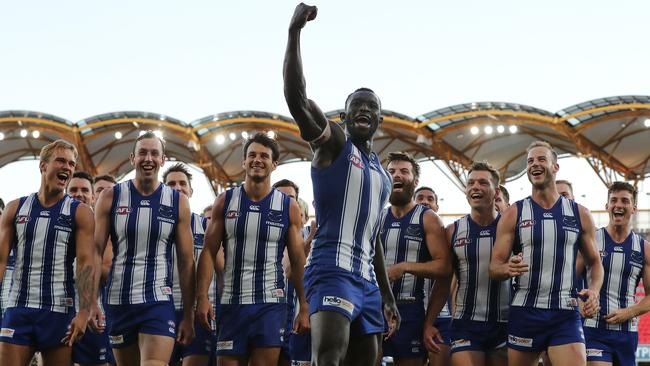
(611, 133)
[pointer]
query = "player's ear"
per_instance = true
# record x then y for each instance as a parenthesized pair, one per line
(132, 159)
(342, 116)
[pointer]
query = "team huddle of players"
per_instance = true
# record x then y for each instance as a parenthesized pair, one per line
(377, 274)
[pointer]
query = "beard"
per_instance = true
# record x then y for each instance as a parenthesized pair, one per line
(404, 197)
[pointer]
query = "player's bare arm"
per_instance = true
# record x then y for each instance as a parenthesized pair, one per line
(327, 138)
(7, 234)
(207, 262)
(440, 265)
(503, 264)
(184, 253)
(101, 239)
(391, 314)
(595, 271)
(297, 260)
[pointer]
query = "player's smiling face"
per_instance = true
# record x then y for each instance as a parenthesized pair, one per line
(258, 162)
(58, 169)
(620, 206)
(427, 198)
(179, 182)
(81, 190)
(403, 182)
(362, 115)
(480, 189)
(541, 168)
(148, 157)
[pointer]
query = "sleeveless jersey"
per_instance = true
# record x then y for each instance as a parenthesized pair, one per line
(478, 297)
(143, 229)
(548, 240)
(403, 241)
(255, 235)
(199, 224)
(349, 196)
(623, 264)
(45, 249)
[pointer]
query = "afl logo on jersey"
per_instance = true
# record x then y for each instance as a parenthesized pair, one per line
(122, 210)
(356, 161)
(462, 242)
(22, 219)
(526, 223)
(232, 214)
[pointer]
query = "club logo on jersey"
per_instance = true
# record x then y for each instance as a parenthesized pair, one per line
(166, 211)
(232, 214)
(485, 233)
(356, 161)
(520, 341)
(339, 303)
(198, 240)
(413, 230)
(275, 216)
(7, 332)
(462, 242)
(569, 221)
(64, 220)
(122, 210)
(145, 203)
(548, 215)
(254, 207)
(526, 223)
(45, 213)
(22, 219)
(636, 257)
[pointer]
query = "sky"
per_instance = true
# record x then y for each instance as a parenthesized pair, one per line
(190, 59)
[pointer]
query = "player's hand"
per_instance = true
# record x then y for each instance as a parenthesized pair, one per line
(97, 321)
(391, 314)
(431, 337)
(204, 312)
(302, 15)
(76, 329)
(618, 316)
(516, 265)
(592, 305)
(395, 272)
(185, 331)
(301, 323)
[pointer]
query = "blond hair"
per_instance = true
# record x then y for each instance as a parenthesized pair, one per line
(48, 150)
(544, 144)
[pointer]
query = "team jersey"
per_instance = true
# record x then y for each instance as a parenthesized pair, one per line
(478, 298)
(349, 196)
(199, 224)
(255, 235)
(549, 241)
(45, 249)
(623, 264)
(143, 229)
(403, 240)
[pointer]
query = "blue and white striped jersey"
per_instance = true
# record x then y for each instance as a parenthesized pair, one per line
(255, 235)
(143, 229)
(478, 298)
(403, 240)
(199, 224)
(548, 240)
(45, 249)
(623, 264)
(349, 196)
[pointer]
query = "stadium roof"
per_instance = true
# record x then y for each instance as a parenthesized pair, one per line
(610, 133)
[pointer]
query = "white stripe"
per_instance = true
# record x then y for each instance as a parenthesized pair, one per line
(547, 273)
(251, 233)
(463, 267)
(230, 245)
(482, 295)
(120, 227)
(369, 231)
(526, 238)
(142, 236)
(350, 215)
(408, 281)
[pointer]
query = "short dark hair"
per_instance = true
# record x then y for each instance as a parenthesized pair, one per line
(622, 186)
(263, 139)
(149, 134)
(179, 168)
(504, 192)
(425, 188)
(362, 89)
(404, 156)
(564, 181)
(106, 177)
(486, 167)
(545, 144)
(287, 183)
(84, 175)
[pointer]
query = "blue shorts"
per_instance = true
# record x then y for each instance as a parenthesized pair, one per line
(342, 292)
(471, 335)
(92, 349)
(300, 346)
(534, 330)
(127, 321)
(244, 327)
(41, 329)
(201, 345)
(407, 341)
(444, 327)
(615, 346)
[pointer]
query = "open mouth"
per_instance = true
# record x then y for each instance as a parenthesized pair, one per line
(536, 173)
(397, 186)
(619, 214)
(63, 177)
(362, 120)
(476, 196)
(148, 168)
